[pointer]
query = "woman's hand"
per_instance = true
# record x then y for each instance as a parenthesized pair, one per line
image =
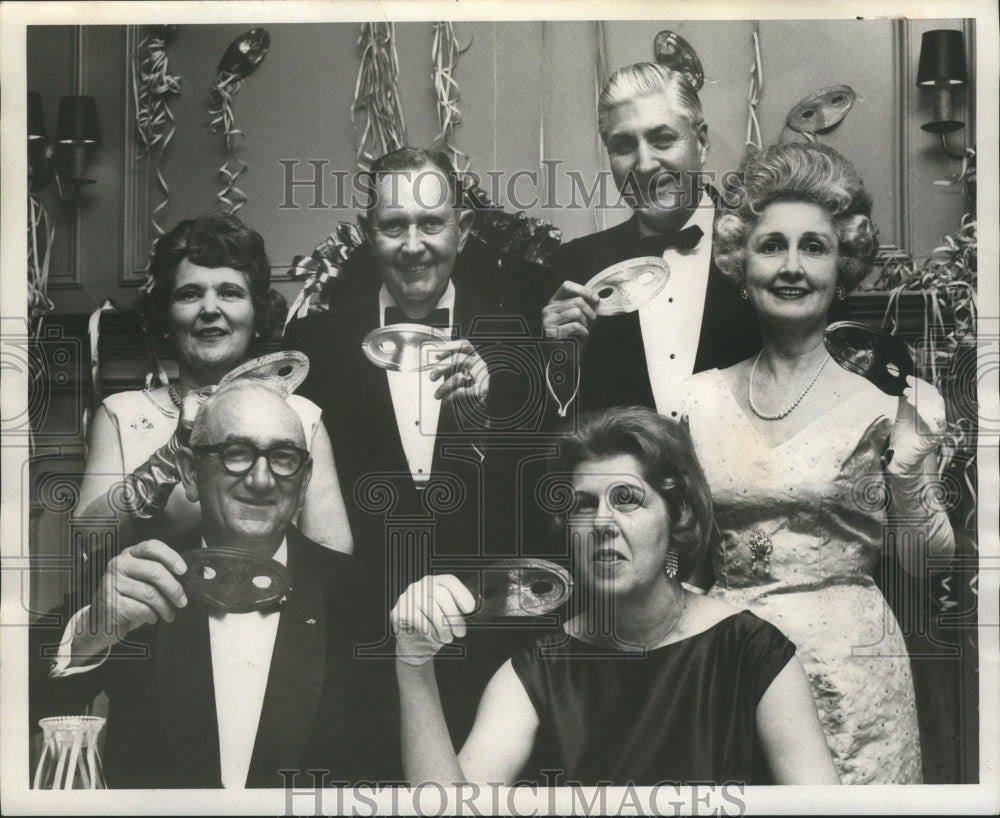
(920, 420)
(429, 615)
(189, 408)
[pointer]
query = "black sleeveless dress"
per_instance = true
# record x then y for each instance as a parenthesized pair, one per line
(681, 713)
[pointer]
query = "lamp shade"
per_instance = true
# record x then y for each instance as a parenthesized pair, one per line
(36, 119)
(942, 58)
(78, 120)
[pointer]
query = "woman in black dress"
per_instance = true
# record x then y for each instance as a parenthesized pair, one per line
(649, 682)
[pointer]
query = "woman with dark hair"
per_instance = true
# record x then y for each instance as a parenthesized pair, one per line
(806, 460)
(648, 682)
(207, 303)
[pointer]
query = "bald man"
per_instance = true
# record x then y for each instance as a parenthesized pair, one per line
(200, 698)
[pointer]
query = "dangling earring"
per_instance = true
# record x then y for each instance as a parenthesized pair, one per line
(670, 563)
(840, 293)
(166, 335)
(743, 293)
(256, 335)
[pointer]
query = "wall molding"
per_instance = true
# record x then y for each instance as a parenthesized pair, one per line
(70, 278)
(901, 155)
(135, 179)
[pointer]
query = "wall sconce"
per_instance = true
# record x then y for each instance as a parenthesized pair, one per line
(76, 129)
(942, 67)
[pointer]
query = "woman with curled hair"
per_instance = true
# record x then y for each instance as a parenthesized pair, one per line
(808, 462)
(206, 302)
(647, 682)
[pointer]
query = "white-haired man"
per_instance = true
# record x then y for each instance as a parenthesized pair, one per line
(652, 126)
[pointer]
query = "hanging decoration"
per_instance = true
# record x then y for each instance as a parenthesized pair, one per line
(323, 273)
(40, 238)
(515, 234)
(322, 270)
(152, 85)
(601, 75)
(376, 94)
(240, 60)
(821, 111)
(674, 52)
(754, 138)
(445, 52)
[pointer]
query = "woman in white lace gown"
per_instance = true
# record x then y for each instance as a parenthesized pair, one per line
(208, 305)
(811, 466)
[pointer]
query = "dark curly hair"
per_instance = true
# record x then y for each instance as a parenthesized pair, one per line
(665, 452)
(800, 172)
(214, 239)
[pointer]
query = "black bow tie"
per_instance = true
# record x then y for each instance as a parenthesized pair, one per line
(683, 240)
(436, 318)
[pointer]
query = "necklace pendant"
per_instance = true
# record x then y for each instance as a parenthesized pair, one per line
(761, 547)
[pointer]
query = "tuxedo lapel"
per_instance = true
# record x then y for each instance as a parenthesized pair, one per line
(186, 691)
(370, 430)
(297, 673)
(614, 360)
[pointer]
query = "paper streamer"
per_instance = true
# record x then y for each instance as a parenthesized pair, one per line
(152, 84)
(240, 60)
(754, 138)
(39, 255)
(227, 85)
(445, 52)
(376, 94)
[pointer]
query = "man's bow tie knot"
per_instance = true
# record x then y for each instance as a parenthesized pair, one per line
(682, 240)
(436, 318)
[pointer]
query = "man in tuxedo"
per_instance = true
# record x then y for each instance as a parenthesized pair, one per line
(204, 698)
(410, 444)
(651, 123)
(426, 488)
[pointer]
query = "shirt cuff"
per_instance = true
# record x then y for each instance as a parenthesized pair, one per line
(60, 667)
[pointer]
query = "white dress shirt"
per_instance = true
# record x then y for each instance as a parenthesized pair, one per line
(416, 408)
(241, 645)
(671, 322)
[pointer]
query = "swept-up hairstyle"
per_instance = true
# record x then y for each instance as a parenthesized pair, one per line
(800, 172)
(644, 79)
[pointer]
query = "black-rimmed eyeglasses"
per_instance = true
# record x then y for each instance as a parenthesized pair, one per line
(238, 458)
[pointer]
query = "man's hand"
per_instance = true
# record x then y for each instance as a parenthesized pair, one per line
(461, 371)
(429, 615)
(139, 587)
(571, 312)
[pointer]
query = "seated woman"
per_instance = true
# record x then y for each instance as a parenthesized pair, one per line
(208, 303)
(649, 682)
(822, 459)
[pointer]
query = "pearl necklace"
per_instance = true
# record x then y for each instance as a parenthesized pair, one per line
(795, 403)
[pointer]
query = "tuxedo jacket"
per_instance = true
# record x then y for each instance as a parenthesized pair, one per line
(461, 506)
(323, 709)
(613, 364)
(472, 511)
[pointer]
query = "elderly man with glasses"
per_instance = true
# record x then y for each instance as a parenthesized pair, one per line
(202, 695)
